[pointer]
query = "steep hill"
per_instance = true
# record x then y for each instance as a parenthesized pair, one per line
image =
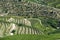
(29, 20)
(52, 3)
(29, 9)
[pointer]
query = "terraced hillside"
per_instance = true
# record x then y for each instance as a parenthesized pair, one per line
(16, 25)
(28, 20)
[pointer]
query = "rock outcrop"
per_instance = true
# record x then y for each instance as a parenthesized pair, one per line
(29, 9)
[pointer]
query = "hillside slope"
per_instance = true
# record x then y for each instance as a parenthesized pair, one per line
(28, 20)
(29, 9)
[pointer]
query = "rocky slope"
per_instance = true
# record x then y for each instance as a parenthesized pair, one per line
(29, 9)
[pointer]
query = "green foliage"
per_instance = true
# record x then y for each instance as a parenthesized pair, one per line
(55, 32)
(49, 21)
(32, 37)
(52, 3)
(26, 37)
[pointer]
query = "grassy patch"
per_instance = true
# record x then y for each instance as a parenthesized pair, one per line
(27, 37)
